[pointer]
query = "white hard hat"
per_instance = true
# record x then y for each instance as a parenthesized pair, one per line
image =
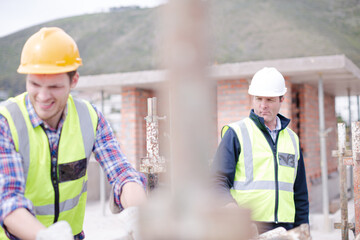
(267, 82)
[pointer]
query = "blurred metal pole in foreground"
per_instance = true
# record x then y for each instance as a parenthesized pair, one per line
(186, 211)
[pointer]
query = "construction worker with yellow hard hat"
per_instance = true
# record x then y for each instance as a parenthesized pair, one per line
(259, 164)
(46, 140)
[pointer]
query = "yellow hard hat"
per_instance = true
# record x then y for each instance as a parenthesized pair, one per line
(49, 51)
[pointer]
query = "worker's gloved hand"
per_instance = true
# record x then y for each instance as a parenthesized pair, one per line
(58, 231)
(129, 219)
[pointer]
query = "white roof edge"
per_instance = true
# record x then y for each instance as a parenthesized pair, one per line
(291, 67)
(285, 66)
(352, 68)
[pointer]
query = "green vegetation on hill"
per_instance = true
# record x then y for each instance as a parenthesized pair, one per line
(123, 41)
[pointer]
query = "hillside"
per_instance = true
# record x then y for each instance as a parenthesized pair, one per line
(243, 30)
(108, 42)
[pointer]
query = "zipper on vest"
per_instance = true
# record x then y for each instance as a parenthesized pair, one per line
(54, 180)
(273, 146)
(276, 182)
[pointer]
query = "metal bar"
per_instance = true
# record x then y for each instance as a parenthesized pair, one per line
(324, 171)
(358, 106)
(349, 105)
(355, 129)
(350, 226)
(350, 134)
(149, 107)
(343, 181)
(153, 163)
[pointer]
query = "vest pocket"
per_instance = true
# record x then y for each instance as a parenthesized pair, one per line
(72, 171)
(287, 159)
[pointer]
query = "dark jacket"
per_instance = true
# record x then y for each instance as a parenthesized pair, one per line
(224, 166)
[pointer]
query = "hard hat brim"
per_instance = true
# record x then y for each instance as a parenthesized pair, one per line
(46, 69)
(266, 93)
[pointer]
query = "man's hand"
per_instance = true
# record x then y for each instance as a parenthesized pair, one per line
(58, 231)
(129, 219)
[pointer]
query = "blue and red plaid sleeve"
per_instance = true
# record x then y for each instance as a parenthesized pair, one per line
(108, 153)
(12, 184)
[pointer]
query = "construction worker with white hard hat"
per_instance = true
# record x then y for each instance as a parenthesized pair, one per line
(46, 140)
(259, 164)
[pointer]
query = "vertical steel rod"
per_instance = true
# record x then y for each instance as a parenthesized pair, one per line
(355, 129)
(324, 171)
(343, 181)
(358, 106)
(350, 134)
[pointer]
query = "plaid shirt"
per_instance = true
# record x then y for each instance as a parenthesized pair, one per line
(106, 149)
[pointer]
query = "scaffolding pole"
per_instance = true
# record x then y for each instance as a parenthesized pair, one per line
(153, 164)
(350, 158)
(355, 130)
(324, 171)
(343, 181)
(350, 133)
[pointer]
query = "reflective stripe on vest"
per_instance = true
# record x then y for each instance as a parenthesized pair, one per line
(64, 206)
(23, 136)
(262, 185)
(292, 136)
(86, 125)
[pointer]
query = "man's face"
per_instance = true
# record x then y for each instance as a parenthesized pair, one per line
(48, 94)
(267, 108)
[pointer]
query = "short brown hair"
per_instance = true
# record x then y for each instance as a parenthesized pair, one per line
(71, 75)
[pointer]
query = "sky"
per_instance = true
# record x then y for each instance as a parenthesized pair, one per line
(16, 15)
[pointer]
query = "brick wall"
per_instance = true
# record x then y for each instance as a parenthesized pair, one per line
(286, 106)
(331, 122)
(306, 124)
(133, 125)
(233, 101)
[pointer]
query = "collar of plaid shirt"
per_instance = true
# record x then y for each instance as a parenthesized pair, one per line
(36, 120)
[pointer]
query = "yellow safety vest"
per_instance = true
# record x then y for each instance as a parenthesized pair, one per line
(264, 180)
(58, 192)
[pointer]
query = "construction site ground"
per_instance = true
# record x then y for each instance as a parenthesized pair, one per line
(108, 227)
